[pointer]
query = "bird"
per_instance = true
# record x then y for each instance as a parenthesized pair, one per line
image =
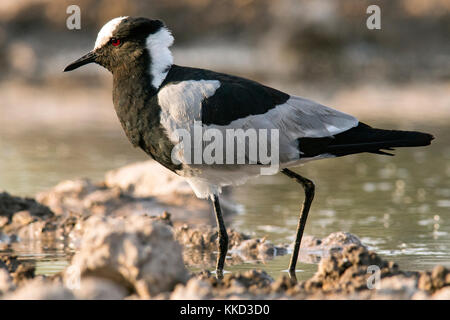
(156, 99)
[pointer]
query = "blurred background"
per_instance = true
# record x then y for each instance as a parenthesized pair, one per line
(56, 126)
(324, 40)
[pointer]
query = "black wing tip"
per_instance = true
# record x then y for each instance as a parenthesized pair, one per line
(425, 139)
(384, 153)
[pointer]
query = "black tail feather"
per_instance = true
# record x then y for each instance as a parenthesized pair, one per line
(363, 138)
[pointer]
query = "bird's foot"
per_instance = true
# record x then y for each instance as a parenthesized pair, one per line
(219, 274)
(293, 276)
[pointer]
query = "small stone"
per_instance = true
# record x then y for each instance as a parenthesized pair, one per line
(22, 218)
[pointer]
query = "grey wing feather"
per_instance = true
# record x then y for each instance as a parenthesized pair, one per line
(298, 118)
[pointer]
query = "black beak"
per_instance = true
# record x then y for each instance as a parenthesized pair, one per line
(88, 58)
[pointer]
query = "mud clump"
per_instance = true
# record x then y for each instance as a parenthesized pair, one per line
(205, 237)
(347, 271)
(17, 214)
(6, 282)
(252, 284)
(24, 208)
(435, 280)
(18, 271)
(139, 254)
(358, 273)
(314, 249)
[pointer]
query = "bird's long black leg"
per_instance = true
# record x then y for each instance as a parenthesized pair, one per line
(309, 188)
(223, 237)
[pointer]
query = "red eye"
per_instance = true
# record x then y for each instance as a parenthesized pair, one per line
(115, 42)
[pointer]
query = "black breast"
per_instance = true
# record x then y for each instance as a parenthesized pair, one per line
(137, 107)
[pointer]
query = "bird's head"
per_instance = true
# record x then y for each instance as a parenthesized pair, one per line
(123, 40)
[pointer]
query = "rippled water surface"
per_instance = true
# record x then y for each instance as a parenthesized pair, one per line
(398, 206)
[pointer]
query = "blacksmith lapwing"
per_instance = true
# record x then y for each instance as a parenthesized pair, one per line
(155, 99)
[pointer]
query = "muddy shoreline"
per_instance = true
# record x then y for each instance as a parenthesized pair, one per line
(133, 235)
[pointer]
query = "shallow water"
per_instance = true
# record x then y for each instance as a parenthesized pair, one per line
(399, 206)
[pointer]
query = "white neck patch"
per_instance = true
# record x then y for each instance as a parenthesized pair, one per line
(161, 58)
(107, 31)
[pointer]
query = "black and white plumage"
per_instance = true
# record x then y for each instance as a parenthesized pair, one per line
(155, 98)
(222, 101)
